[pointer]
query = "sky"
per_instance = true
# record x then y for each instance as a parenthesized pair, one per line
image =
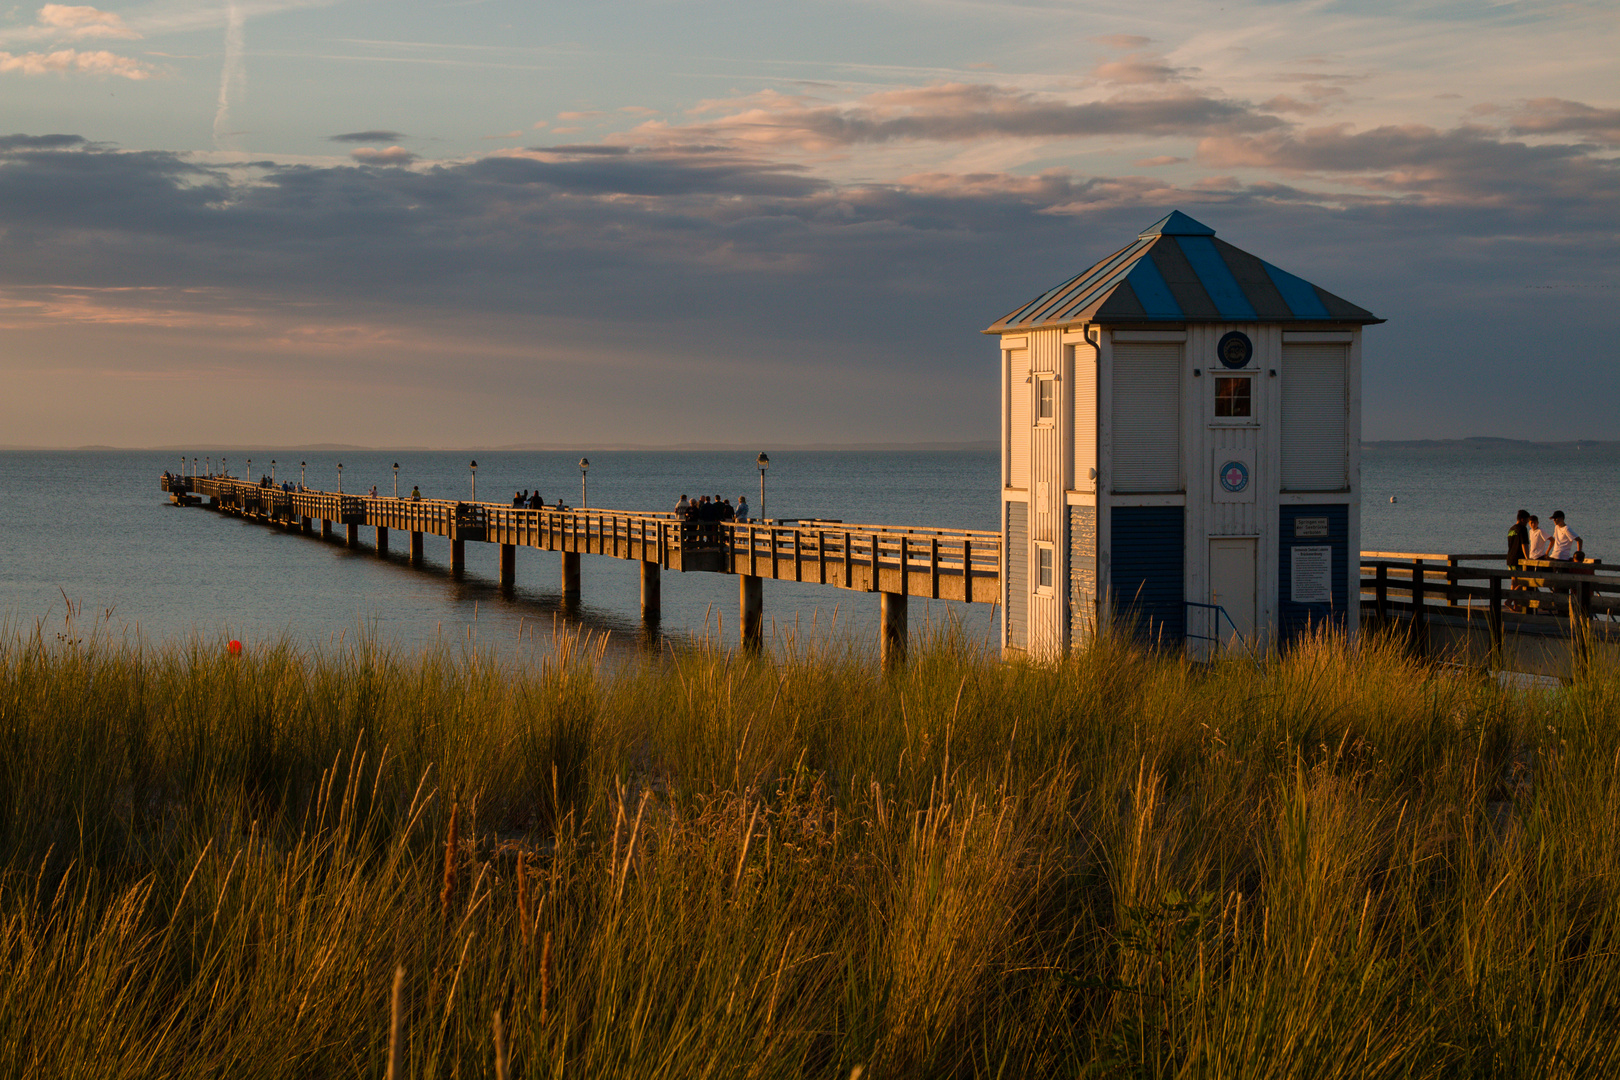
(492, 222)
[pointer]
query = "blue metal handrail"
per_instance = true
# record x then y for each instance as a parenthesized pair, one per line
(1220, 613)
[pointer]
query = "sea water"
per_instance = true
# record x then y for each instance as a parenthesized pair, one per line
(90, 530)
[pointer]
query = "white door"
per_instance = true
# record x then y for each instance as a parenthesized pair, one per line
(1231, 587)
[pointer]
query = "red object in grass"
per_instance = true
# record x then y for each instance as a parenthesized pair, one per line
(235, 647)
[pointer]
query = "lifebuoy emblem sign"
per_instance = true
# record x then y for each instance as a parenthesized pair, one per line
(1234, 476)
(1235, 349)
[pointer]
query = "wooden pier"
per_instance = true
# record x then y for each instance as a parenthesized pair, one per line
(895, 562)
(1461, 607)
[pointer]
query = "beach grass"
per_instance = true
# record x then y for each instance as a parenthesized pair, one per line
(1343, 863)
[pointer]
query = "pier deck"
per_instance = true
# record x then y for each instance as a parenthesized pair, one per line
(895, 562)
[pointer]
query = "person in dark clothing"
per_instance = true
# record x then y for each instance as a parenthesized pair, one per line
(535, 501)
(1518, 548)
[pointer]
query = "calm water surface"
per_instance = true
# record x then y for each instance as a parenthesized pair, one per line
(92, 528)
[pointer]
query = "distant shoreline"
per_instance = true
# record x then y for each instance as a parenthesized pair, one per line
(986, 445)
(1485, 442)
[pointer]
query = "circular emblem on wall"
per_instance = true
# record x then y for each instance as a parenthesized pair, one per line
(1235, 349)
(1234, 476)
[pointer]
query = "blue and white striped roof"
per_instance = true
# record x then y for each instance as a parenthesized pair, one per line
(1177, 271)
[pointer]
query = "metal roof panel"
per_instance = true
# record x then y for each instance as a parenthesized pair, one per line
(1297, 293)
(1217, 280)
(1183, 281)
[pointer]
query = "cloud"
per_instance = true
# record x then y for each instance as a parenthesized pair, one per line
(84, 22)
(374, 135)
(10, 143)
(959, 112)
(394, 155)
(1462, 166)
(589, 114)
(1155, 162)
(63, 61)
(1555, 116)
(1138, 69)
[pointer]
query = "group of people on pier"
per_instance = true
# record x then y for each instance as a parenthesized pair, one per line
(1527, 541)
(707, 508)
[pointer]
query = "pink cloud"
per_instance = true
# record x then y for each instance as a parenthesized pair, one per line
(63, 61)
(394, 155)
(83, 22)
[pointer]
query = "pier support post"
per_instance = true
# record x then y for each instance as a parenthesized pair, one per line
(417, 554)
(326, 529)
(458, 556)
(892, 635)
(305, 524)
(353, 535)
(508, 566)
(570, 577)
(382, 540)
(751, 597)
(652, 604)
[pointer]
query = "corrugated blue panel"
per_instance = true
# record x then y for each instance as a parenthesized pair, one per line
(1297, 293)
(1147, 580)
(1152, 291)
(1216, 278)
(1294, 619)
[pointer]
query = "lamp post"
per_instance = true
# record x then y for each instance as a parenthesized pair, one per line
(340, 480)
(272, 472)
(584, 489)
(249, 474)
(396, 479)
(224, 470)
(764, 462)
(301, 465)
(474, 467)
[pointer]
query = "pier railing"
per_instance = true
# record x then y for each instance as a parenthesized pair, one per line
(1445, 600)
(948, 564)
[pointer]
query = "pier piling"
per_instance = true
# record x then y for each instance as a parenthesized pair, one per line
(458, 556)
(353, 537)
(751, 590)
(651, 586)
(570, 577)
(382, 540)
(417, 553)
(508, 567)
(892, 636)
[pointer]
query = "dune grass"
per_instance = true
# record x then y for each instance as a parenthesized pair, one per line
(1351, 865)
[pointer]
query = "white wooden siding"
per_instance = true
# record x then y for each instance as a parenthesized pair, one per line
(1018, 419)
(1146, 416)
(1315, 415)
(1047, 509)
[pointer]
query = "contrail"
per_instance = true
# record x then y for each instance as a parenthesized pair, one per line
(232, 77)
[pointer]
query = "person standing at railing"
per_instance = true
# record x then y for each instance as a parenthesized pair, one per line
(416, 493)
(742, 508)
(1517, 549)
(1566, 545)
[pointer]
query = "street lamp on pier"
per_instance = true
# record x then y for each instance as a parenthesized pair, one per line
(584, 488)
(473, 465)
(248, 476)
(301, 465)
(272, 472)
(764, 462)
(340, 479)
(396, 479)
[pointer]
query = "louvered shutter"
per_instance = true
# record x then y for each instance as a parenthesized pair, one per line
(1018, 423)
(1315, 417)
(1147, 416)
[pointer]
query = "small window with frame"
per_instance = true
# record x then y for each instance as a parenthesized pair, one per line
(1044, 568)
(1045, 400)
(1232, 397)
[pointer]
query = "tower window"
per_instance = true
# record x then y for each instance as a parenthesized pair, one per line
(1046, 401)
(1232, 397)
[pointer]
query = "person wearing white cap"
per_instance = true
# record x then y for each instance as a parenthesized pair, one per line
(1565, 544)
